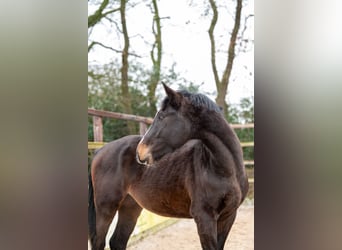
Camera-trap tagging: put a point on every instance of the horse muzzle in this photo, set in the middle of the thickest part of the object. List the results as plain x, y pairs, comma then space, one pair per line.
143, 154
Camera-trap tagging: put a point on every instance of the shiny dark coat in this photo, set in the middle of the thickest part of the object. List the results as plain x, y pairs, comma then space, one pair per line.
189, 164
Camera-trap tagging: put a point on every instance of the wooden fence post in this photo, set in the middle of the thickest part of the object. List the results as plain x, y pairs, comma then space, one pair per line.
97, 129
142, 128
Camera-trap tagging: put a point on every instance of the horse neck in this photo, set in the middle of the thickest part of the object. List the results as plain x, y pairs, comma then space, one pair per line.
219, 138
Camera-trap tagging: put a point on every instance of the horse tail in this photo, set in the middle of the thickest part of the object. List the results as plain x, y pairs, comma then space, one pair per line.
91, 211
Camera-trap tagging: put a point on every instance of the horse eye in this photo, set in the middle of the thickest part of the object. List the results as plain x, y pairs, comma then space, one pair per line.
161, 117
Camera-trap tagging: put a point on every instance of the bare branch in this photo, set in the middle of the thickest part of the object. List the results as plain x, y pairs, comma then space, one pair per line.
245, 26
98, 15
115, 23
135, 55
93, 43
212, 42
110, 12
244, 42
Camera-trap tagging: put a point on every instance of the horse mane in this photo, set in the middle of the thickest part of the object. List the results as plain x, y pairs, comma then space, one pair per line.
200, 100
216, 123
197, 100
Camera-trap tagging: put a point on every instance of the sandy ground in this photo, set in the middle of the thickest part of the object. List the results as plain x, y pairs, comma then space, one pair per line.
183, 235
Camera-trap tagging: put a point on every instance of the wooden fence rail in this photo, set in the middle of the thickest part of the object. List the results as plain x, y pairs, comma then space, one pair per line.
143, 123
247, 125
102, 113
97, 121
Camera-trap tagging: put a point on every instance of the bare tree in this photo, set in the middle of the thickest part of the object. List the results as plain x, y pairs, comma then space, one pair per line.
223, 82
104, 11
126, 96
100, 13
156, 57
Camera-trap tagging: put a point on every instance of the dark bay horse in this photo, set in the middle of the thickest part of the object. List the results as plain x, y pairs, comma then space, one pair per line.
189, 164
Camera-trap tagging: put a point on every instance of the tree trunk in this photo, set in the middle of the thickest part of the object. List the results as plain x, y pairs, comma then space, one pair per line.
212, 43
126, 97
231, 52
222, 84
221, 99
156, 57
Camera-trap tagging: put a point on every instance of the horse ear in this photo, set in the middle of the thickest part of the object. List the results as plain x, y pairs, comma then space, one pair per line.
175, 98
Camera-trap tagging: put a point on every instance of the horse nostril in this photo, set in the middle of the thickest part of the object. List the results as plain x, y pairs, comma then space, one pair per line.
140, 161
138, 158
143, 154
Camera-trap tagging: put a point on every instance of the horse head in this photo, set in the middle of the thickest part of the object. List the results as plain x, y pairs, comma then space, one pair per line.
170, 129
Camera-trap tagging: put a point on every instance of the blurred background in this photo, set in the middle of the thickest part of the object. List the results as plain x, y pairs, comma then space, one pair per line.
44, 97
200, 46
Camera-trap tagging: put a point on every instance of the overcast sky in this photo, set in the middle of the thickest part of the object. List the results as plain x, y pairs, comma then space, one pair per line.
185, 42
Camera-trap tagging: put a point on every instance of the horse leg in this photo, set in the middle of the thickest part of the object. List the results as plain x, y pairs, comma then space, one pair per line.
107, 203
104, 217
129, 212
224, 224
206, 227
